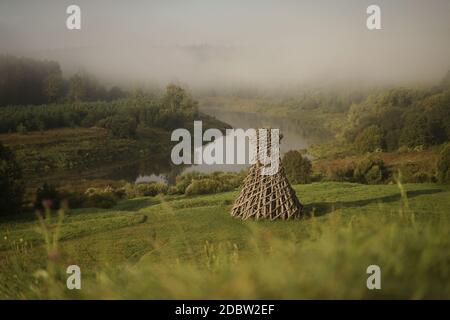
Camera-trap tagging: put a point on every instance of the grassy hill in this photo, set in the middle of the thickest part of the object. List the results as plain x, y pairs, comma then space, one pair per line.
190, 247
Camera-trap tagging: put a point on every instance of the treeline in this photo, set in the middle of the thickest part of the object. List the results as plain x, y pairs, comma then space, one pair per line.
408, 118
174, 109
329, 101
25, 81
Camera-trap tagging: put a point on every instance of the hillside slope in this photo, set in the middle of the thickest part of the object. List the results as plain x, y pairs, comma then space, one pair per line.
189, 247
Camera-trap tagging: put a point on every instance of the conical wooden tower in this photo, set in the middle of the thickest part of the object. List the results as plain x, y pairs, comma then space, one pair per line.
266, 196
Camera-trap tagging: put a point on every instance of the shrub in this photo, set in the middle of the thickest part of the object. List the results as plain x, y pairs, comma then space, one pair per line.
228, 180
161, 187
47, 197
184, 180
119, 193
129, 191
214, 182
173, 190
74, 200
403, 149
100, 198
422, 177
152, 189
317, 176
21, 129
443, 165
147, 189
11, 183
121, 125
297, 167
342, 173
144, 189
412, 172
371, 171
203, 186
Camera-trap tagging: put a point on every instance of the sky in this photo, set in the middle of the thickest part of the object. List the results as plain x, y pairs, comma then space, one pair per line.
228, 42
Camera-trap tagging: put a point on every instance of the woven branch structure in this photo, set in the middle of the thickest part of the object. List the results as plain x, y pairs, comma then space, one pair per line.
266, 196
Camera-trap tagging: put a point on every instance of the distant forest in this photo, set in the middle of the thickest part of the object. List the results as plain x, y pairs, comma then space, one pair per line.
401, 117
370, 119
364, 119
25, 81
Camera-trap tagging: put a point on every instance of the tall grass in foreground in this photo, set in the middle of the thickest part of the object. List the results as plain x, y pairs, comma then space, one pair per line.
328, 262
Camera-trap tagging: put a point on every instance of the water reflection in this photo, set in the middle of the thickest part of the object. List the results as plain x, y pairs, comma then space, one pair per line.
293, 136
161, 169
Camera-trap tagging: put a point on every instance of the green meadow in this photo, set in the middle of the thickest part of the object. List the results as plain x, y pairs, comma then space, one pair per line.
190, 247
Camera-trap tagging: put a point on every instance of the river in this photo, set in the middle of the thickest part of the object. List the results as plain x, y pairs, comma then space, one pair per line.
293, 139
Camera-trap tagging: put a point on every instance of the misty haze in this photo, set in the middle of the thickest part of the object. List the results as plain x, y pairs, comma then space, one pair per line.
212, 43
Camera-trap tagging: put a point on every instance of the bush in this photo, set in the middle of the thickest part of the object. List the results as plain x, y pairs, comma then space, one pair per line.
74, 200
104, 198
297, 167
161, 187
147, 189
203, 186
184, 180
21, 129
342, 173
443, 165
129, 191
152, 189
173, 190
412, 172
228, 181
222, 181
317, 176
11, 183
100, 198
144, 189
403, 149
371, 171
422, 177
47, 197
121, 125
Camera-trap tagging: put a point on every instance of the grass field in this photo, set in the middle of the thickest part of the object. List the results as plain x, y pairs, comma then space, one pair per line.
190, 247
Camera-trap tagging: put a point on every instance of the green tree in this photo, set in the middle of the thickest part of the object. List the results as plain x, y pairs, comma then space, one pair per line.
77, 89
443, 165
297, 168
11, 183
174, 97
23, 81
415, 131
370, 139
177, 99
54, 87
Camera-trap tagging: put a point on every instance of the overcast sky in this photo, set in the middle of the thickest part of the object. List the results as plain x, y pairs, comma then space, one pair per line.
212, 42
